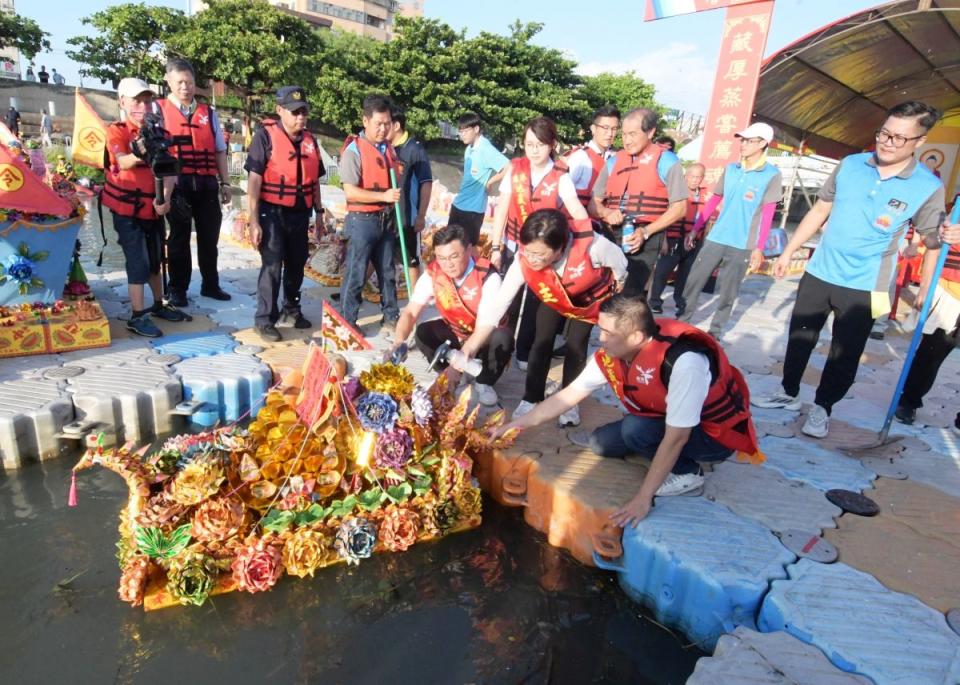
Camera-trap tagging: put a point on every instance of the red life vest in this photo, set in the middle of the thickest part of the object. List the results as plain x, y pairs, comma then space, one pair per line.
194, 142
582, 288
694, 203
128, 192
634, 185
459, 304
525, 199
374, 171
642, 386
596, 162
951, 267
280, 175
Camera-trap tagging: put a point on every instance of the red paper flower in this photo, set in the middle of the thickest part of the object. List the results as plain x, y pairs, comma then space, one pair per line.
257, 567
399, 529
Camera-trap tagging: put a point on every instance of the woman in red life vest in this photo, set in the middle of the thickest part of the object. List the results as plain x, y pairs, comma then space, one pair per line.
570, 270
532, 182
686, 403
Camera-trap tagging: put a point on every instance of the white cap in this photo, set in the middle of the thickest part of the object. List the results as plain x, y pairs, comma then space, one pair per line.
132, 87
757, 130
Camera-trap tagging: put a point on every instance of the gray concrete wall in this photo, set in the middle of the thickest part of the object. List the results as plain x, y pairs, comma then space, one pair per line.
33, 97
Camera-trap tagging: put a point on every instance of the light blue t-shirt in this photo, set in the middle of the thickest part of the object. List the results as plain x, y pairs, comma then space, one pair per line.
744, 195
481, 161
869, 219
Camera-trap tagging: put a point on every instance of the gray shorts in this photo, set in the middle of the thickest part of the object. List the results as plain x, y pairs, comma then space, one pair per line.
140, 240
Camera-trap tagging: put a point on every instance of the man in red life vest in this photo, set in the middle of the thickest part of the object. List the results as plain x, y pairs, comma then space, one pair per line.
462, 288
129, 193
686, 403
283, 189
645, 191
203, 184
366, 161
585, 162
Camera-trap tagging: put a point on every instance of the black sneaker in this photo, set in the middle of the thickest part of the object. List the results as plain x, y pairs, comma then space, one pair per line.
269, 333
905, 415
215, 293
294, 320
177, 298
560, 352
168, 313
143, 325
680, 310
656, 308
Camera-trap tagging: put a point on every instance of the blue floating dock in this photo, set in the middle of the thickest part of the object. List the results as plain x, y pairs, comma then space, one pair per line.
699, 567
862, 626
190, 345
231, 385
805, 461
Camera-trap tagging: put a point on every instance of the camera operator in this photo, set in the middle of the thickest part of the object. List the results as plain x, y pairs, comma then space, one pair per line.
203, 185
129, 193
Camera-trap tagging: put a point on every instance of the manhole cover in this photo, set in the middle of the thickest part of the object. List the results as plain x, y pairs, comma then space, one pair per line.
853, 502
60, 372
884, 467
163, 359
953, 620
248, 349
808, 545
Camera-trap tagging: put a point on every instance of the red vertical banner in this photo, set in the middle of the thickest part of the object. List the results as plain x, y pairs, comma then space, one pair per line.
745, 31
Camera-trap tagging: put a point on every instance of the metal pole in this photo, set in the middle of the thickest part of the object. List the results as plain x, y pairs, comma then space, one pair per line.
403, 243
788, 198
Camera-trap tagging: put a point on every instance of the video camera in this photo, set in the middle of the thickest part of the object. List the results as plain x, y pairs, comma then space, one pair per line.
153, 147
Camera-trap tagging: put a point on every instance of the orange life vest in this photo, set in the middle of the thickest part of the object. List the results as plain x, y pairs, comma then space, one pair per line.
951, 267
128, 192
634, 186
582, 288
374, 171
642, 385
194, 142
694, 203
280, 175
459, 304
596, 162
525, 199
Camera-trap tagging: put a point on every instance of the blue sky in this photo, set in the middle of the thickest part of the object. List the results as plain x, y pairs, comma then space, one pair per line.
678, 55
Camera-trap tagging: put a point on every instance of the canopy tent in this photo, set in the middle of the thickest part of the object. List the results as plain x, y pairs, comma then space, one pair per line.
831, 87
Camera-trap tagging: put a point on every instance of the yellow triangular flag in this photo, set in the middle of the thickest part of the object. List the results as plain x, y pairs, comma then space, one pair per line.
89, 134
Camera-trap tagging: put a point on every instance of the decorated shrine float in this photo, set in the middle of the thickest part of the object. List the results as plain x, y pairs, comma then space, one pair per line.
332, 473
39, 266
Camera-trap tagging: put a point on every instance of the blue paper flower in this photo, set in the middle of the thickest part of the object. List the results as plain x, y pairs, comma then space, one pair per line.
377, 412
422, 406
355, 540
21, 269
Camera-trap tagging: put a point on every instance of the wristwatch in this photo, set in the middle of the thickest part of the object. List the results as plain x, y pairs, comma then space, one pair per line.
495, 248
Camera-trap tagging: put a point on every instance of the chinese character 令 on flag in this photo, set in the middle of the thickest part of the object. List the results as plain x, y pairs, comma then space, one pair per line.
89, 134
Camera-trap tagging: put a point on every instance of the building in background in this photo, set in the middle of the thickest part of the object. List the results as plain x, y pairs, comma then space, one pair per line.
9, 57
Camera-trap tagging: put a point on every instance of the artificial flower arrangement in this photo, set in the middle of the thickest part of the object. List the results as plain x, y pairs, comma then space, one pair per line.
386, 464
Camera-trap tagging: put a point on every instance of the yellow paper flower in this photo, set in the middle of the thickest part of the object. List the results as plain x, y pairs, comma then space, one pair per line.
468, 501
196, 482
391, 379
303, 552
218, 519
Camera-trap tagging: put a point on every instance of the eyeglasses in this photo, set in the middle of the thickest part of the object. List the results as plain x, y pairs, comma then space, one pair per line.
896, 140
535, 146
538, 257
450, 258
754, 141
607, 129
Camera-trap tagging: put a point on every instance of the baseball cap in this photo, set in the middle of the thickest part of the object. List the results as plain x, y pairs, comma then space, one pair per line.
757, 130
292, 97
132, 87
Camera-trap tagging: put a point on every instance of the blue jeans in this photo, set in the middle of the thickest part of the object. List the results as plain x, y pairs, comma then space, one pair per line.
641, 435
370, 238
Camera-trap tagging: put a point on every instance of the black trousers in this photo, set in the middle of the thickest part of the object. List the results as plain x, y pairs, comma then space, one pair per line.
852, 321
933, 350
578, 338
639, 264
283, 254
196, 200
470, 221
679, 258
494, 355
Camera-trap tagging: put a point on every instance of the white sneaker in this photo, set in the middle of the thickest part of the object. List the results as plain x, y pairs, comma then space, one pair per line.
571, 417
780, 400
678, 484
521, 365
817, 424
523, 408
486, 394
551, 388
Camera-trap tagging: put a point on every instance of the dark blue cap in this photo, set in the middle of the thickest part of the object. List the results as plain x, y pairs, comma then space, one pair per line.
292, 97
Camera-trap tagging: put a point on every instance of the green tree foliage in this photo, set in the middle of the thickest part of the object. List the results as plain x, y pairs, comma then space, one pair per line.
129, 42
249, 45
626, 91
23, 34
348, 68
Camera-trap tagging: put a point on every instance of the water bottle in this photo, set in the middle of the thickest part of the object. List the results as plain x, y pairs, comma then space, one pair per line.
458, 360
628, 230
